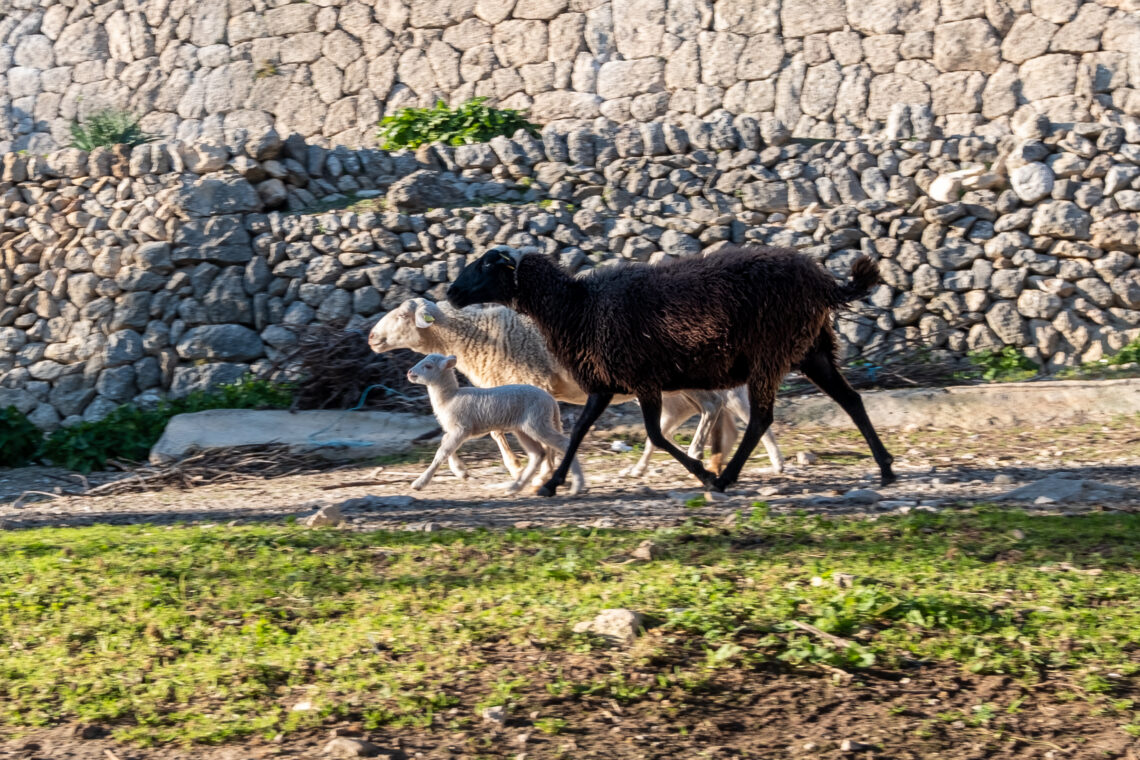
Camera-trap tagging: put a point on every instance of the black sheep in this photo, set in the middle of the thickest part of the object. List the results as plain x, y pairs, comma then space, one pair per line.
743, 316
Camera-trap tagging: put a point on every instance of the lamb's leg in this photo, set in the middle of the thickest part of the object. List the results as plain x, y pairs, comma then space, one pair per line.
509, 460
760, 401
595, 405
447, 447
738, 405
651, 411
555, 441
457, 468
819, 367
674, 411
535, 454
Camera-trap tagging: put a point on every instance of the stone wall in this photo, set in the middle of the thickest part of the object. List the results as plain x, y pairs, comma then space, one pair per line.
129, 274
327, 70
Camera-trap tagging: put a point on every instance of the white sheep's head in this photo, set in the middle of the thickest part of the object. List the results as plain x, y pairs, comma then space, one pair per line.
406, 326
431, 369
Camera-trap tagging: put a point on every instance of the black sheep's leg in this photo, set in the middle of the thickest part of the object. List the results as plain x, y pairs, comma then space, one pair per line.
651, 411
595, 405
819, 367
760, 402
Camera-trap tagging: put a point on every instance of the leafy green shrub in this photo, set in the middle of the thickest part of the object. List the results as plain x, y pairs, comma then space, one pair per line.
129, 432
19, 438
1001, 366
471, 122
108, 127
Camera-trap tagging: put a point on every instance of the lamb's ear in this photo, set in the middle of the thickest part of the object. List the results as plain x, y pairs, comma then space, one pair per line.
426, 314
448, 362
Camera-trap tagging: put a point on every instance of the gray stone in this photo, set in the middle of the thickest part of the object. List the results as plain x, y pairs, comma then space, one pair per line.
1062, 219
970, 45
422, 190
220, 343
618, 624
204, 377
1060, 489
123, 347
1032, 182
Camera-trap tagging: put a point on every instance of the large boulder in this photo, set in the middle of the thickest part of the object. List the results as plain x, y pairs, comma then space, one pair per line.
422, 190
227, 343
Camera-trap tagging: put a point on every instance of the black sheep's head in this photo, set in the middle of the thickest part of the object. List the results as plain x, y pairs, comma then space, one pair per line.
488, 279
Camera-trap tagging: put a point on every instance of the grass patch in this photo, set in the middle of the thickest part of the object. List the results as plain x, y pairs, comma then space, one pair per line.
210, 633
470, 122
106, 128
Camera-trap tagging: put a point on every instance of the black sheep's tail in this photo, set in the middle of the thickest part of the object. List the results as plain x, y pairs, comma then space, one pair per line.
864, 276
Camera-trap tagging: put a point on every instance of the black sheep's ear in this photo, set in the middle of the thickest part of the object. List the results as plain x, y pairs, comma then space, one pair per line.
507, 259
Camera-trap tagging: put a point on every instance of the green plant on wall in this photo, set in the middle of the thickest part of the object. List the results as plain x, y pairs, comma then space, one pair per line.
108, 127
471, 122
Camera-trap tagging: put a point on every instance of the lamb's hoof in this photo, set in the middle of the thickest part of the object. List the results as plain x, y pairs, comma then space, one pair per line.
417, 485
512, 488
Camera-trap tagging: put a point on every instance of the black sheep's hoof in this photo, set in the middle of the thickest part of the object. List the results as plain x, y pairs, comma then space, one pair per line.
887, 478
717, 485
547, 490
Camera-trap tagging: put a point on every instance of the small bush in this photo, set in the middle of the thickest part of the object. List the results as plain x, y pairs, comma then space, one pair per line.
19, 438
1000, 366
471, 122
108, 127
129, 432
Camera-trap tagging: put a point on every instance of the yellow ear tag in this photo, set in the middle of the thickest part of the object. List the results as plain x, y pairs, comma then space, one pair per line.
510, 262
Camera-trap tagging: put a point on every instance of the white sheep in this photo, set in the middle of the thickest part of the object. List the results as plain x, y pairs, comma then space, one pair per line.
530, 413
498, 346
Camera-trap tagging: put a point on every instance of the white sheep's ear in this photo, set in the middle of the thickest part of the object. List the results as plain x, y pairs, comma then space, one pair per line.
426, 314
448, 362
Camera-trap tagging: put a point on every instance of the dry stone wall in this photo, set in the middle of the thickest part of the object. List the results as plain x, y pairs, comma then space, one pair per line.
329, 69
131, 274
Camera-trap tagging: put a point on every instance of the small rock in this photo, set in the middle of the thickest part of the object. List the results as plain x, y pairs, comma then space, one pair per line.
863, 496
424, 527
525, 525
328, 516
889, 504
91, 731
1018, 534
620, 624
646, 551
496, 714
768, 491
804, 458
620, 447
1067, 489
850, 745
303, 706
343, 746
1003, 479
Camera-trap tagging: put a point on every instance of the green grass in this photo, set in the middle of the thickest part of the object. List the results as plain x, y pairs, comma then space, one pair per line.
210, 633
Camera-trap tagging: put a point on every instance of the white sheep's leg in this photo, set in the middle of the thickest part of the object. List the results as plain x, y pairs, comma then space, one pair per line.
775, 456
738, 405
457, 468
711, 404
552, 439
535, 455
447, 447
509, 460
675, 410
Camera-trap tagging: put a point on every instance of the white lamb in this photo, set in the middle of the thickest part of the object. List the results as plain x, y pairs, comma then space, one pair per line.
464, 413
498, 346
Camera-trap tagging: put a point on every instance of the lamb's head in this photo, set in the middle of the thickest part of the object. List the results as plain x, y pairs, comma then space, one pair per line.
488, 279
431, 369
406, 326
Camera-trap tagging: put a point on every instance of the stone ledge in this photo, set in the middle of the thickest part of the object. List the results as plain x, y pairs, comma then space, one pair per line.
329, 434
977, 407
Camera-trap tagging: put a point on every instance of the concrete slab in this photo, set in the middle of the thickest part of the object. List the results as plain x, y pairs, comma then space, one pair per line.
977, 407
330, 434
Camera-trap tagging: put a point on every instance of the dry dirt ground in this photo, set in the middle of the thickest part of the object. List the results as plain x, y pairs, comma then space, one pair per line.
784, 715
936, 468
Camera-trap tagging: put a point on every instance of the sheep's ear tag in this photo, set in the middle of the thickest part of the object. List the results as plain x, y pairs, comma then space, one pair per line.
424, 320
507, 259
